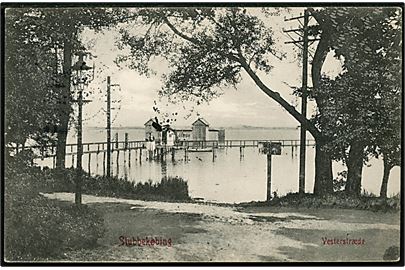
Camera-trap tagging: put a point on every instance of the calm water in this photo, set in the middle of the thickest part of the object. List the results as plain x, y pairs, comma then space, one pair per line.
230, 178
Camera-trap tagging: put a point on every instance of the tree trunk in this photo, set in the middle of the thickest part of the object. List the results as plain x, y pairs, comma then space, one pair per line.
354, 169
384, 185
64, 106
323, 170
323, 162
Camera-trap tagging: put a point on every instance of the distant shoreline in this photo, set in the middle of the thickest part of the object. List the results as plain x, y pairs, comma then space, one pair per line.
236, 127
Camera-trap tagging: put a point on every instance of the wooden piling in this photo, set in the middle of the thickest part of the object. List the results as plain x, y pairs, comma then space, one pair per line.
129, 158
213, 153
98, 151
104, 154
73, 156
89, 164
163, 165
118, 164
125, 171
126, 141
292, 149
89, 161
268, 177
97, 165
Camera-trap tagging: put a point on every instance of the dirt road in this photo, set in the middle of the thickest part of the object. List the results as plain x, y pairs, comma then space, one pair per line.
200, 232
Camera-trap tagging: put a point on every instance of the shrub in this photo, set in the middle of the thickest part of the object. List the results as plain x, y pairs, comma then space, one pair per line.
338, 200
168, 189
38, 228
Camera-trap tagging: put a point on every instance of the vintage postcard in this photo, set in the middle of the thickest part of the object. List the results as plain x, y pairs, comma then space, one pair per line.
202, 133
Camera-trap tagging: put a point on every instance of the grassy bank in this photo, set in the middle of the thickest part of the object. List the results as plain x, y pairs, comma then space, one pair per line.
38, 229
336, 200
168, 189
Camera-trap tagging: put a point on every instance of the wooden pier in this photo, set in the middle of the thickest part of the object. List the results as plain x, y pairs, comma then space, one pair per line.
136, 149
117, 146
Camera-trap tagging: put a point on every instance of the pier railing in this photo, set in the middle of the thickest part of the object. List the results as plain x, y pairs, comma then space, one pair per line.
45, 151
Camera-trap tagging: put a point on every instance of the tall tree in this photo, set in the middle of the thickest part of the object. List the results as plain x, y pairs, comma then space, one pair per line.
52, 30
388, 136
209, 48
29, 83
368, 39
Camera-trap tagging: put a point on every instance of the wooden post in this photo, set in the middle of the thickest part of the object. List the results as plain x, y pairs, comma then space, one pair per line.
150, 153
104, 155
89, 164
268, 177
163, 165
116, 140
126, 141
73, 156
118, 158
129, 158
213, 153
292, 149
125, 171
98, 151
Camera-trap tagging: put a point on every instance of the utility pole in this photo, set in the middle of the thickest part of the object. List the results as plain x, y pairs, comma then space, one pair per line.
108, 126
80, 81
78, 194
303, 33
303, 134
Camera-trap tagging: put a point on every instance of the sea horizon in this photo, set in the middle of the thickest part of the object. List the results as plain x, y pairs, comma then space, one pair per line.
183, 127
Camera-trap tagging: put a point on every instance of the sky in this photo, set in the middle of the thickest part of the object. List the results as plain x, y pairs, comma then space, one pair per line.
134, 99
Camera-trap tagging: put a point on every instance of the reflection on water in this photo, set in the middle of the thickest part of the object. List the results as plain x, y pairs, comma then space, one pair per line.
229, 177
